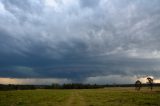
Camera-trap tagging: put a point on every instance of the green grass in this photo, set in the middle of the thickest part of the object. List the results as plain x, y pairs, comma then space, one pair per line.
34, 97
90, 97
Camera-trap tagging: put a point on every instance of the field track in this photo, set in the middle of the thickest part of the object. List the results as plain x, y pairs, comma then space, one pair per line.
76, 99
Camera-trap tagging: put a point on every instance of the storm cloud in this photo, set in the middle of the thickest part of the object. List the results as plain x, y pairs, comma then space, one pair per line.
79, 40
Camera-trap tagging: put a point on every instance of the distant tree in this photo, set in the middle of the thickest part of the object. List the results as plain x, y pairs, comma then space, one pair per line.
138, 85
55, 86
150, 82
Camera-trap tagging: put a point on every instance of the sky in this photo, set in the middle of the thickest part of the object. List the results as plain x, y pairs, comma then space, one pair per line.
79, 41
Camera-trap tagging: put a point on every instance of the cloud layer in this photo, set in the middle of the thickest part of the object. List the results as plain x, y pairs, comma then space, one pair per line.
79, 39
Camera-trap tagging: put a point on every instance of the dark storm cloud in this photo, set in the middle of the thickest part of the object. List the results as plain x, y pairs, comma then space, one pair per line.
78, 39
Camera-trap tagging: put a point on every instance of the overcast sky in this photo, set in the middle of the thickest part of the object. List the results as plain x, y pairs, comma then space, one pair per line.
88, 41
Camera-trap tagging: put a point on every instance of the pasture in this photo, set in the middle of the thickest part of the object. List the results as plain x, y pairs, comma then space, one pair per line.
86, 97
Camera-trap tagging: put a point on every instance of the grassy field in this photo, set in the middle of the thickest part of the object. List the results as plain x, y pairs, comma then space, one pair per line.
90, 97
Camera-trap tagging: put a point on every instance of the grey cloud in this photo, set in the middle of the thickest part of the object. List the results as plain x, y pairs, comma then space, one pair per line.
109, 37
111, 79
27, 6
89, 3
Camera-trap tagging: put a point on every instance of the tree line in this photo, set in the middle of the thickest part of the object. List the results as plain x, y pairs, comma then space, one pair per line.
65, 86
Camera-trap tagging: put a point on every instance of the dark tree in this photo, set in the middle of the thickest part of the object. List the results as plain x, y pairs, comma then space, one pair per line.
150, 82
138, 85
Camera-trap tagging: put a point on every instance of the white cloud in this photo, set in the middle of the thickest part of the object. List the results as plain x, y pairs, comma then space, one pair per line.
2, 9
51, 3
